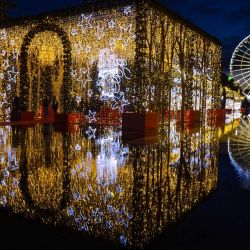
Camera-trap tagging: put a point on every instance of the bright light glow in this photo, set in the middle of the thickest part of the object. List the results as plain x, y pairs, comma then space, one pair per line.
112, 70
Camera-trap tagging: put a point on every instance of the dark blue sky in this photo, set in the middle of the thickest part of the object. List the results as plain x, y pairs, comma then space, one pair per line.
228, 20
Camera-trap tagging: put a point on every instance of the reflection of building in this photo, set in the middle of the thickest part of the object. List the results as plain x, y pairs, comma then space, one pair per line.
138, 53
101, 186
228, 128
109, 158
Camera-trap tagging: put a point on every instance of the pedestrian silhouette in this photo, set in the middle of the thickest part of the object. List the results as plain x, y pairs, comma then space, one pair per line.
45, 106
15, 112
55, 104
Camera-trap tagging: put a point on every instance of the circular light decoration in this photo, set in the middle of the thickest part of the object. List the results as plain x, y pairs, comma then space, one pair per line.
239, 152
240, 66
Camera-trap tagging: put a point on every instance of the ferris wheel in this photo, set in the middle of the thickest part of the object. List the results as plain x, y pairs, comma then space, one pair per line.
240, 66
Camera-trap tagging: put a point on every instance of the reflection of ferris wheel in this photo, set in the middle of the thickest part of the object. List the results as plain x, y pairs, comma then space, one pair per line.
240, 65
239, 153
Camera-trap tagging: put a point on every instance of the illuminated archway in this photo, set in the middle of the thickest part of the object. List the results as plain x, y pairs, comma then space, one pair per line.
67, 64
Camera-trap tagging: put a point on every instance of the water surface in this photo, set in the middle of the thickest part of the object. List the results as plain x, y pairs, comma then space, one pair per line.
97, 181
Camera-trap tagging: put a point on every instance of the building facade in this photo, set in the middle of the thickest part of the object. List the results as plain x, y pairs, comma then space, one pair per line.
135, 56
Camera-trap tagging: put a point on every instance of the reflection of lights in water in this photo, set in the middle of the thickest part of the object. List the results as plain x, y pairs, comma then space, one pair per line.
8, 161
78, 147
91, 132
46, 187
91, 116
112, 155
4, 133
175, 146
103, 181
239, 152
3, 200
231, 117
78, 99
105, 187
176, 97
106, 170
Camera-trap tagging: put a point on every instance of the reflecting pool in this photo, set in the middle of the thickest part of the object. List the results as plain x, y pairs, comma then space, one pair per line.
95, 180
238, 151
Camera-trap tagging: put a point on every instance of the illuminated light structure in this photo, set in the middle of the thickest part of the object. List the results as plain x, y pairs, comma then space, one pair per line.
131, 56
232, 96
232, 105
233, 100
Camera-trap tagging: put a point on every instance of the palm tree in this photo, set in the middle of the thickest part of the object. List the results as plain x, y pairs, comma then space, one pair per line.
5, 5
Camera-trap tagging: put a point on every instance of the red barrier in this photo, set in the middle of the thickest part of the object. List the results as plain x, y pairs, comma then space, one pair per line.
140, 137
27, 116
139, 122
216, 122
189, 115
172, 114
192, 115
217, 114
69, 118
243, 110
108, 116
191, 119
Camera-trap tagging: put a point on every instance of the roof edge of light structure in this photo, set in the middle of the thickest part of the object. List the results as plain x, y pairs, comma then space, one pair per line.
161, 7
97, 5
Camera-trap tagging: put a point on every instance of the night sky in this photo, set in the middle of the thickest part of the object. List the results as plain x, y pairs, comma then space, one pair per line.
228, 20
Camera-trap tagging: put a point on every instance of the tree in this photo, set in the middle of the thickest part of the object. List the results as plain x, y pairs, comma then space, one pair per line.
5, 5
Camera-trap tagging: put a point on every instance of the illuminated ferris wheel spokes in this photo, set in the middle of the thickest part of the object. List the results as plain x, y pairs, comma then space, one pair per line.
240, 66
239, 153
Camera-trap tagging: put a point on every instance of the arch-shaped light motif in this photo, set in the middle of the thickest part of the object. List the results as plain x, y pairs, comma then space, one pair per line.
66, 86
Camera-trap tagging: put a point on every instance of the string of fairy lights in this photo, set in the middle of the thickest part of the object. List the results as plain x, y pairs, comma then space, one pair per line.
102, 183
125, 58
100, 61
188, 62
